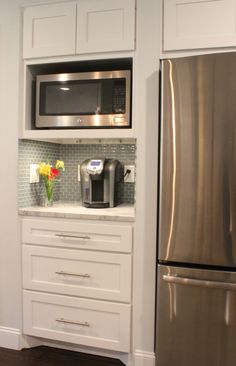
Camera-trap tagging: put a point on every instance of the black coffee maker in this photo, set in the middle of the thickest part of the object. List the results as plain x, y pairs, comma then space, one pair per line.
99, 182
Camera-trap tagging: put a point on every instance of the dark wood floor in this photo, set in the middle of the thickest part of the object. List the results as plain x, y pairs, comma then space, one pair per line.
47, 356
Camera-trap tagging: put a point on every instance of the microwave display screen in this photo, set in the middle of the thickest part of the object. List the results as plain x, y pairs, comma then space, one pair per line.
83, 97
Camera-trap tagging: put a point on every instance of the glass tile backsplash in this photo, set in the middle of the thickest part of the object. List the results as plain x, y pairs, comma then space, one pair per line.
67, 187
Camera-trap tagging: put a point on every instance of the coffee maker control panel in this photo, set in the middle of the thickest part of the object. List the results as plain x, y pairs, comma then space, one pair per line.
95, 166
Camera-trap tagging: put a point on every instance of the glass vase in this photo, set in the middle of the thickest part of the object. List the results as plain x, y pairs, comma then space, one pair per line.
46, 202
48, 192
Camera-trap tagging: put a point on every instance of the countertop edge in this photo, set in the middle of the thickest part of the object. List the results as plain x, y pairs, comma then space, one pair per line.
101, 216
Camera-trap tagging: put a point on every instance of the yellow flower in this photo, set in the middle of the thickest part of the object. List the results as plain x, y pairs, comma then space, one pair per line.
44, 169
60, 164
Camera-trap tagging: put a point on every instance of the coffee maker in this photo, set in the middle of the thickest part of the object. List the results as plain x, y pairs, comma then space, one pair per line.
99, 180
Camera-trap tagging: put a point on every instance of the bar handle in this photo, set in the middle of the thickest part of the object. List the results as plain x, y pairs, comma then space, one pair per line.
64, 236
203, 283
84, 275
66, 321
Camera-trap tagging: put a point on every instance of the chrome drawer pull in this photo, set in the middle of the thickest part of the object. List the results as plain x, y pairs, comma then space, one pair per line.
86, 237
85, 275
62, 320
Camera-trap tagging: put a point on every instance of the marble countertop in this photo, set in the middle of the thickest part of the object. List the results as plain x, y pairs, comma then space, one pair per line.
123, 212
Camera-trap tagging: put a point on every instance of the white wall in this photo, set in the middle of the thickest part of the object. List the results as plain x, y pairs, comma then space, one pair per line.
9, 249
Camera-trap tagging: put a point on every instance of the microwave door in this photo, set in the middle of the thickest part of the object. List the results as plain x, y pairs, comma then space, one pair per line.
71, 98
101, 101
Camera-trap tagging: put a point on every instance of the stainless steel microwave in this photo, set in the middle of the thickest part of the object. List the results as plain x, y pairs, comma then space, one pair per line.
87, 99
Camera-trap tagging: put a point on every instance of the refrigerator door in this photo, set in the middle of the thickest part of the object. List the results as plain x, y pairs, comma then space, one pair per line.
196, 317
198, 160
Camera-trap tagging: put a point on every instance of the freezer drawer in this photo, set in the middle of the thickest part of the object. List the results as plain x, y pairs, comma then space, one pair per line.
196, 317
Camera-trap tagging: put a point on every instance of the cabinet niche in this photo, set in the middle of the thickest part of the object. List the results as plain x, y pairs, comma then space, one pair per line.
32, 70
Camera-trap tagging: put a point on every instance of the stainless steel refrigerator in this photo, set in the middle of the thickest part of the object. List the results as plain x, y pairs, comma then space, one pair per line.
196, 287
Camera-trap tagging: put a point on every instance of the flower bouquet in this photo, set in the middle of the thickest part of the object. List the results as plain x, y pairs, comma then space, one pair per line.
49, 173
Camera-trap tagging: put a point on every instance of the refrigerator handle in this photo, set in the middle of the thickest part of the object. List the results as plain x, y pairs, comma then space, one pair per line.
203, 283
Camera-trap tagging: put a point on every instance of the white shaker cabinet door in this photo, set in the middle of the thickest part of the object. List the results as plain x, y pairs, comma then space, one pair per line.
196, 24
105, 25
49, 30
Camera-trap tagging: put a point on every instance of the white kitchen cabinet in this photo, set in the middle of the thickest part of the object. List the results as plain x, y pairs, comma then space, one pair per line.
77, 277
198, 24
78, 235
77, 320
84, 273
49, 30
105, 25
85, 26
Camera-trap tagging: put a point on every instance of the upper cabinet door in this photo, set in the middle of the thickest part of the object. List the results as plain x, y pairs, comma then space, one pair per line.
195, 24
105, 25
49, 30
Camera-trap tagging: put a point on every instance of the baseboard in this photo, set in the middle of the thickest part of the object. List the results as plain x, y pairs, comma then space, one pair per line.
13, 339
144, 358
10, 338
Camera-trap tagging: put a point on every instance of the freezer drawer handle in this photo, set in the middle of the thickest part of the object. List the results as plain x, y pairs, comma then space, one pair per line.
205, 283
62, 320
85, 275
64, 236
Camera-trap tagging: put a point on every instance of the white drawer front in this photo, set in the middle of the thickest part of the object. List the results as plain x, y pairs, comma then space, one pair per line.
77, 272
80, 321
100, 236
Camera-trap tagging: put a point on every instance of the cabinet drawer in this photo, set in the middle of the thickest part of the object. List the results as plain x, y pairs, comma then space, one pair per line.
107, 237
77, 272
80, 321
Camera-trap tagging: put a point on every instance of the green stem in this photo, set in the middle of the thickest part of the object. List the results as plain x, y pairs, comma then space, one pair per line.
49, 186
